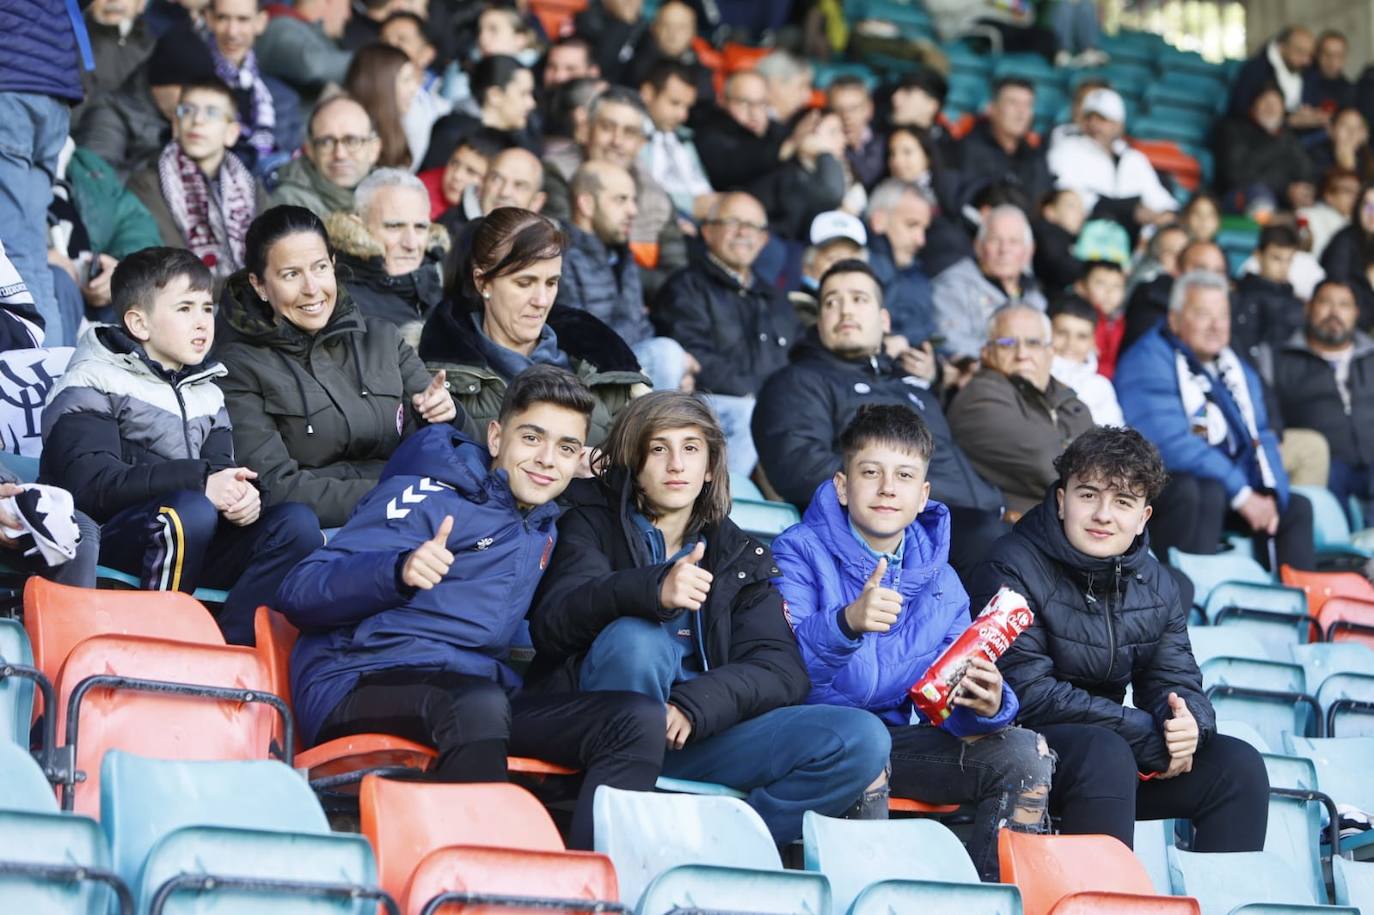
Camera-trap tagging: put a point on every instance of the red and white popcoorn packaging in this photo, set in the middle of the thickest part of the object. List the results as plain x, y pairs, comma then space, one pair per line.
1004, 618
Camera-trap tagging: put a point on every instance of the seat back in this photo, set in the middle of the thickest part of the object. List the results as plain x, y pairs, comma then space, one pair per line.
855, 853
1324, 659
1210, 642
715, 888
646, 834
162, 724
1294, 834
1296, 772
764, 520
1243, 730
24, 786
407, 820
1348, 610
547, 875
1342, 765
888, 897
1330, 527
1153, 839
1322, 586
1048, 868
1275, 614
1094, 903
143, 801
1222, 881
16, 693
275, 637
1354, 883
1206, 572
53, 839
1348, 702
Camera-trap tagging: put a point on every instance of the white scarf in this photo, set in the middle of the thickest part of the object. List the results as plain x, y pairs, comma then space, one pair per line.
1290, 83
1205, 415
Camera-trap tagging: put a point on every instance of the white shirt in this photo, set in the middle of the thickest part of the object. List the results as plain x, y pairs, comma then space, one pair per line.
676, 167
1080, 164
1093, 389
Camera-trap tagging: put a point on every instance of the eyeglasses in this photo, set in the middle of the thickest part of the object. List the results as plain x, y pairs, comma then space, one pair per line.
737, 225
1014, 342
188, 112
749, 104
351, 143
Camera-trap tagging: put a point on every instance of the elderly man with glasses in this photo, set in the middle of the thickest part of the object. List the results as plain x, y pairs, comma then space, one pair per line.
341, 147
1013, 419
737, 327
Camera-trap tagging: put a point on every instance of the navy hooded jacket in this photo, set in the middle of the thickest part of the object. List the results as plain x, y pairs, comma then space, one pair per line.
356, 617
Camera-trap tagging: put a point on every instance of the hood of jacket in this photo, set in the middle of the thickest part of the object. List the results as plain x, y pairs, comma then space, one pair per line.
110, 345
349, 235
1044, 533
361, 260
243, 317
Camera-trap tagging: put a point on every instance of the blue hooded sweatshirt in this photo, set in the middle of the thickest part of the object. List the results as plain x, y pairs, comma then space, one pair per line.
825, 567
356, 617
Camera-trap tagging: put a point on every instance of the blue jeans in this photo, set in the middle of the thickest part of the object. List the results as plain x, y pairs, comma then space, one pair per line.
788, 760
736, 415
1075, 25
663, 359
32, 130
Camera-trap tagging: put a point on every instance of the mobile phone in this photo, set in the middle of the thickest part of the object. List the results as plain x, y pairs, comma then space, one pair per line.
96, 268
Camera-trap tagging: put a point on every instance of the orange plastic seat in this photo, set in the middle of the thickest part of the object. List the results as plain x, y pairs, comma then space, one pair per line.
645, 253
571, 875
406, 820
161, 724
1322, 586
1052, 870
1357, 615
909, 805
556, 16
59, 617
1166, 156
736, 57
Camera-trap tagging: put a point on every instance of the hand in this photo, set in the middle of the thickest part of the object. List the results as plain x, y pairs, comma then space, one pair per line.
1261, 513
686, 586
876, 608
97, 291
981, 689
679, 727
248, 508
690, 369
1177, 767
1180, 731
1307, 117
434, 402
429, 562
228, 487
7, 519
956, 376
920, 361
57, 258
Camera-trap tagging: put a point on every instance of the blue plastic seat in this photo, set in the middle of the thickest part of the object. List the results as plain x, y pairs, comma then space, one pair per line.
713, 888
1268, 695
647, 835
16, 693
1171, 94
1206, 572
1341, 674
1342, 765
1245, 731
236, 821
888, 897
764, 520
1295, 834
855, 854
1274, 614
826, 73
1354, 883
741, 487
21, 465
57, 864
964, 59
1153, 839
1330, 527
1229, 883
24, 786
1218, 642
1166, 126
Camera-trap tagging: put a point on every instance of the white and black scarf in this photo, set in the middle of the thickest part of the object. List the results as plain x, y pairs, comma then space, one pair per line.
1207, 414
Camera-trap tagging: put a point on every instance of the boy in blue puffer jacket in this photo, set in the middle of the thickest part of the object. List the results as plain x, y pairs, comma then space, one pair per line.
874, 603
407, 616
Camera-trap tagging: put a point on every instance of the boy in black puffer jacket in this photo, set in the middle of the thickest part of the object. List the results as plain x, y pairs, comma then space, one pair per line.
1109, 616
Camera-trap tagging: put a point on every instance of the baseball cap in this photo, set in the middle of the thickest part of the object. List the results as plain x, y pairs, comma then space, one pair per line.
1106, 103
836, 224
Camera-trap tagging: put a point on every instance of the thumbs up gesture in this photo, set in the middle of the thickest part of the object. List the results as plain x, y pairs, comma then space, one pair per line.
876, 608
1180, 731
434, 402
686, 586
429, 562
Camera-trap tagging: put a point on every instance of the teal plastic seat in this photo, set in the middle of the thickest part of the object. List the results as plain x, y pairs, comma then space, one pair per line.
1354, 883
1167, 126
1230, 883
1153, 839
254, 819
1242, 730
1211, 642
647, 834
21, 465
1330, 527
764, 520
16, 693
1274, 614
826, 73
23, 786
1294, 834
1206, 572
892, 897
1342, 766
741, 487
857, 853
712, 888
81, 882
688, 786
1340, 674
1294, 772
1269, 696
204, 595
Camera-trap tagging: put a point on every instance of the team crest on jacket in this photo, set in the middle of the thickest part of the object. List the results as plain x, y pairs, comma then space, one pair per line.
548, 551
485, 542
400, 419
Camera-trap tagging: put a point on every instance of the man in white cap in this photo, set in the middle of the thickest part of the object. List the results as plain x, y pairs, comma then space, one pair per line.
835, 236
1115, 180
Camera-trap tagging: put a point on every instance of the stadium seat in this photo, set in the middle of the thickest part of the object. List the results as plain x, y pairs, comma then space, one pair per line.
1206, 572
556, 16
1167, 157
57, 864
826, 73
193, 828
1153, 839
646, 835
741, 487
1270, 696
1243, 731
1342, 765
17, 678
1295, 825
764, 520
1229, 883
519, 877
204, 702
1330, 527
1051, 870
854, 854
1322, 586
888, 897
24, 786
126, 581
1167, 125
717, 888
1344, 619
1354, 883
1341, 676
1274, 614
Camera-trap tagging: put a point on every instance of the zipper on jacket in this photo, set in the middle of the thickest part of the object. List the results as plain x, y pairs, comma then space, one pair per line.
1111, 632
185, 420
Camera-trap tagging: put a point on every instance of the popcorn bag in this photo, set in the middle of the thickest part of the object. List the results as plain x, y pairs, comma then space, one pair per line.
1004, 618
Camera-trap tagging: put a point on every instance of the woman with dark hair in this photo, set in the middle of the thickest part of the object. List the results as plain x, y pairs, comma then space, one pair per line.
503, 90
500, 319
653, 589
1349, 256
385, 82
319, 396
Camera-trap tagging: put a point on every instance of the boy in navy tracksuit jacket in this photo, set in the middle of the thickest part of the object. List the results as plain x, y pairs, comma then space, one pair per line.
407, 616
874, 603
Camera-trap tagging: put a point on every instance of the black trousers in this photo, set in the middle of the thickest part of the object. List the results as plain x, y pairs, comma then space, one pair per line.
1096, 790
614, 738
1192, 512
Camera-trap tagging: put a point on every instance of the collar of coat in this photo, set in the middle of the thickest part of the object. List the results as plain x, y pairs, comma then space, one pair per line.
243, 316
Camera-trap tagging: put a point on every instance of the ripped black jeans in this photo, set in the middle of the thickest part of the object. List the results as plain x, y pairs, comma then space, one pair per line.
1006, 774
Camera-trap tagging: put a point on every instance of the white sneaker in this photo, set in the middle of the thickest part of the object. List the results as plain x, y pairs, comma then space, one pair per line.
1092, 58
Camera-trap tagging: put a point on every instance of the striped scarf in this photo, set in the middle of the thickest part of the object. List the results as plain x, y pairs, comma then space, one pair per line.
259, 122
213, 217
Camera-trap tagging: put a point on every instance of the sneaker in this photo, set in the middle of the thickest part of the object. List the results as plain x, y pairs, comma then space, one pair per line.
1092, 58
1063, 59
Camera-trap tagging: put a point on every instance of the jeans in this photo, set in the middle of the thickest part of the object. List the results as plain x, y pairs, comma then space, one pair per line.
616, 739
167, 543
663, 359
32, 130
788, 760
69, 312
1006, 774
1075, 25
735, 415
1096, 790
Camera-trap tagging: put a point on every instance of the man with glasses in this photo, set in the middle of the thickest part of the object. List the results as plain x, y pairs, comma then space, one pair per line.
1013, 418
201, 196
341, 147
737, 327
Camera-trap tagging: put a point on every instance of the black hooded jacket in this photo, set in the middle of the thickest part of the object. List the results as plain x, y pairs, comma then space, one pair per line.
601, 571
1100, 625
